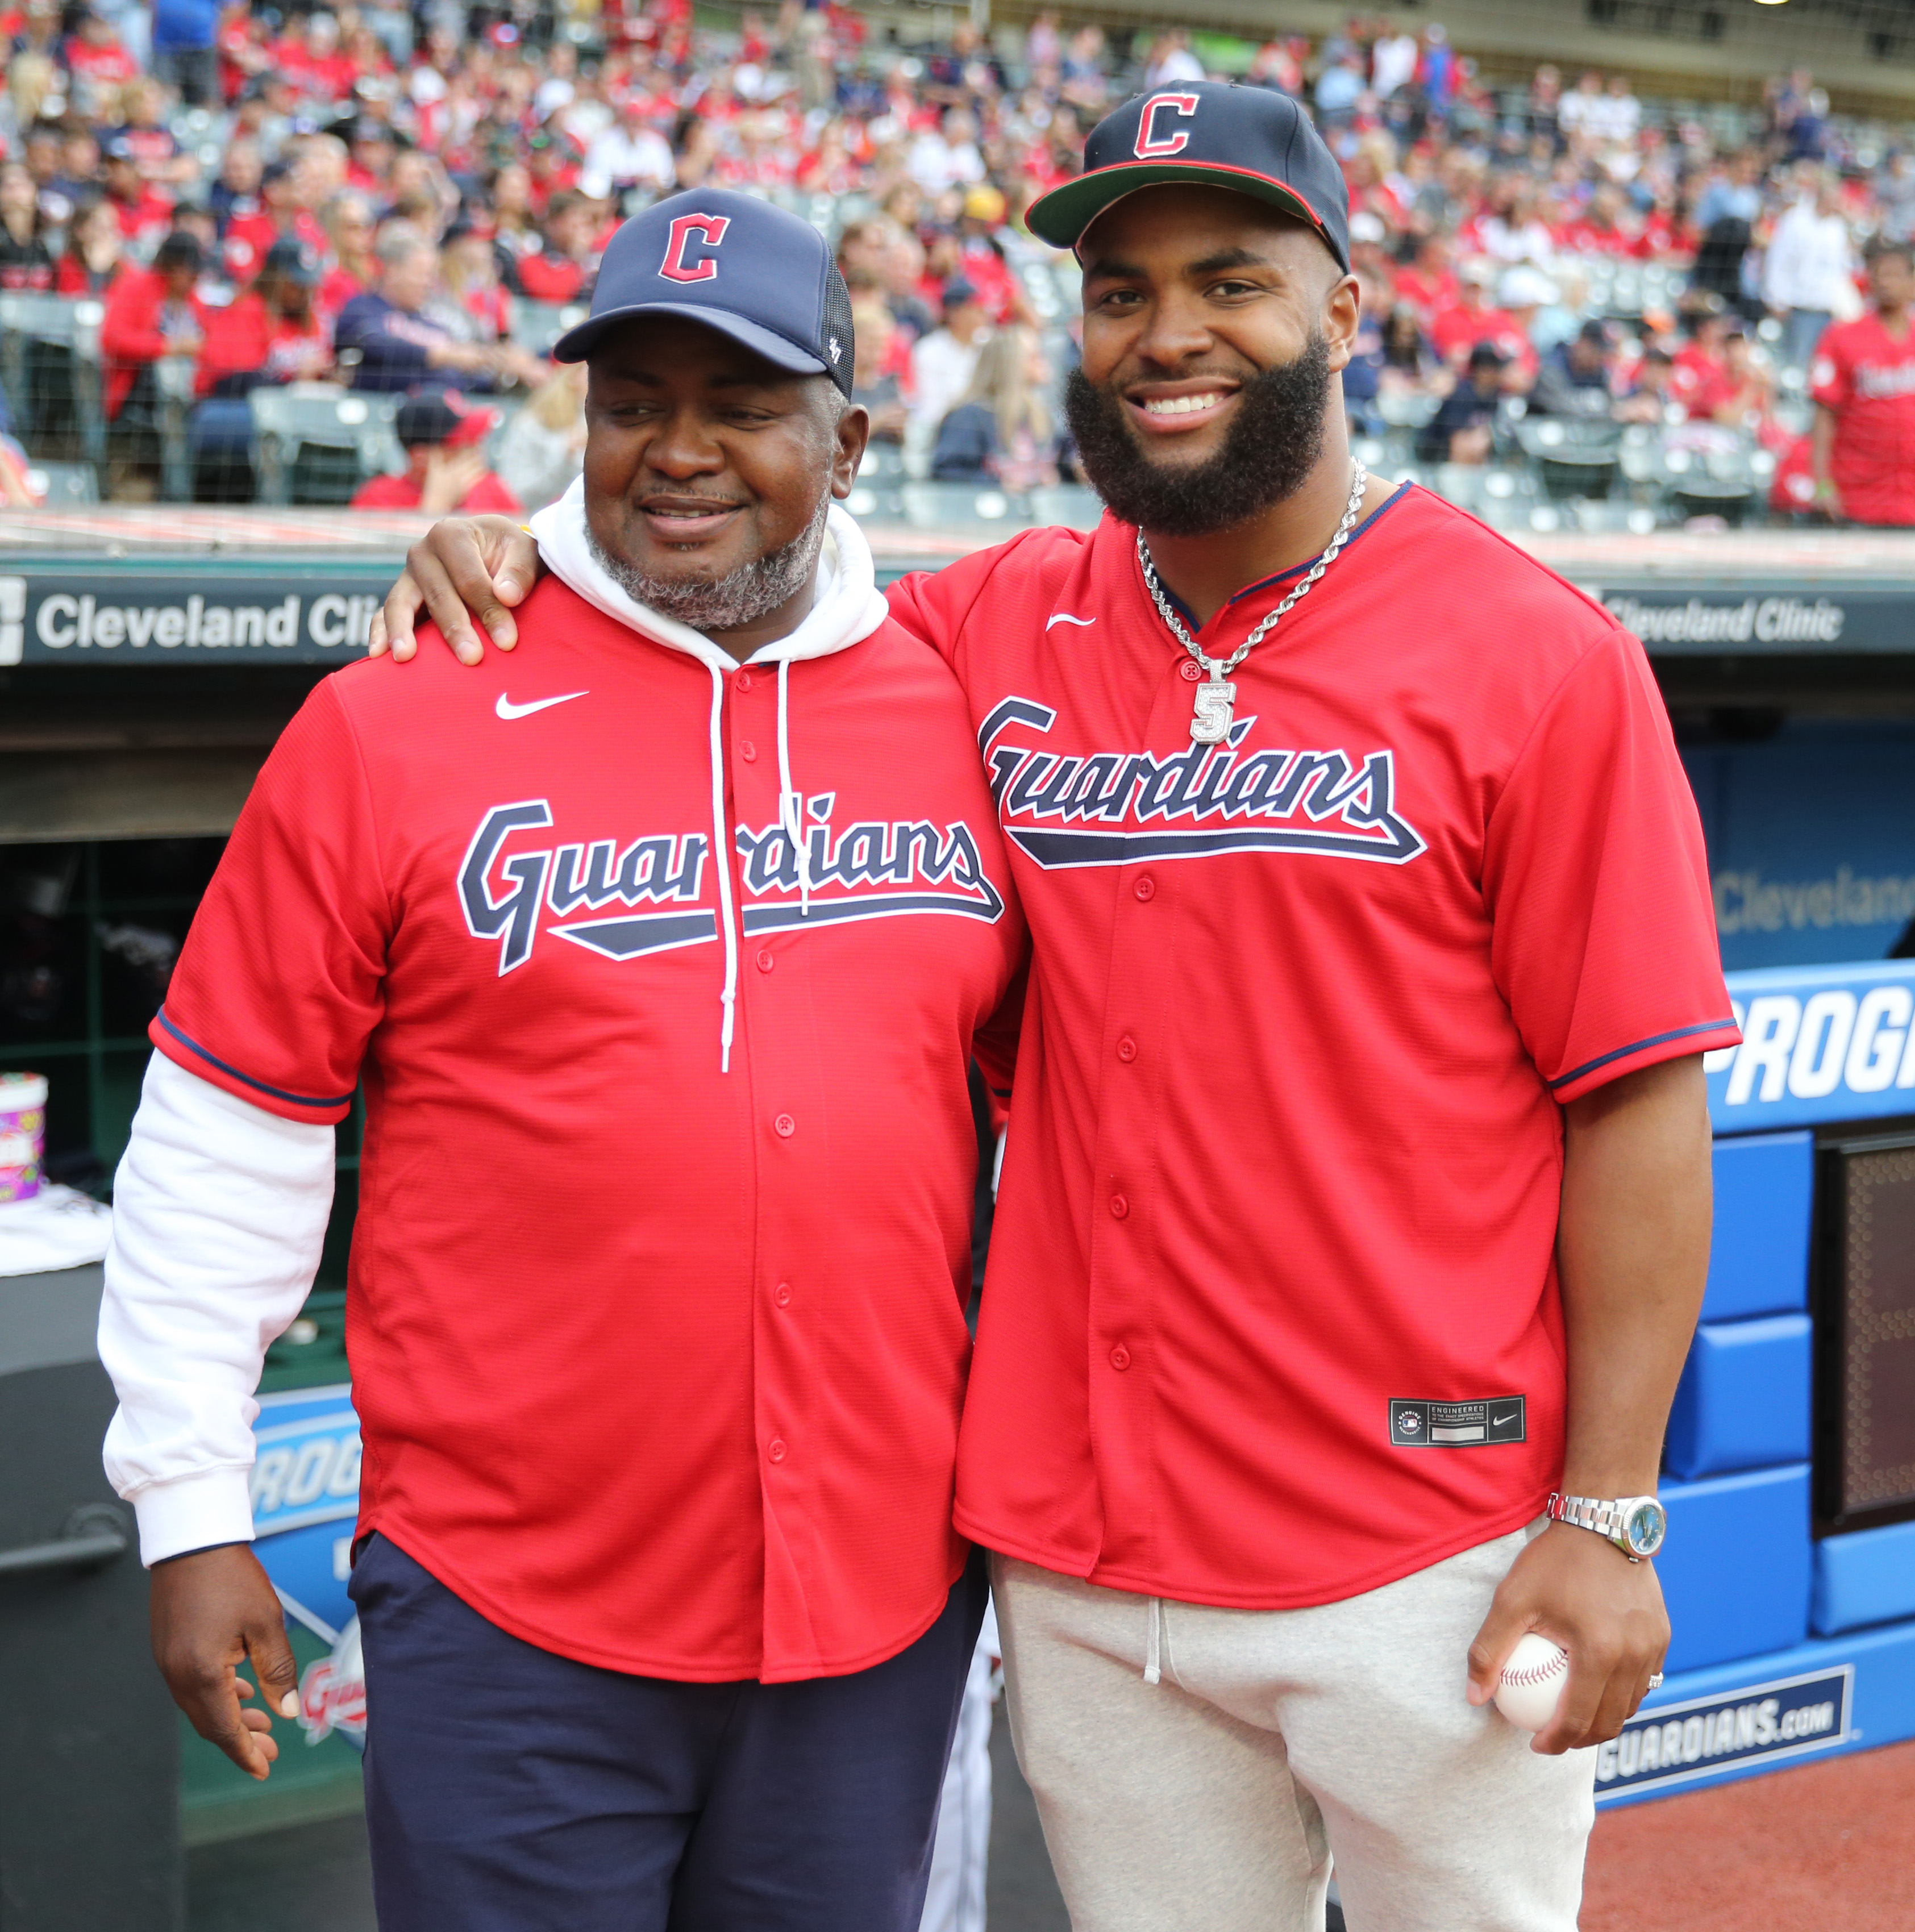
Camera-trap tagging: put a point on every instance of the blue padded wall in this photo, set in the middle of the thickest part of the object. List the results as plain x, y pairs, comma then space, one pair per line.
1758, 1260
1736, 1570
1866, 1577
1743, 1400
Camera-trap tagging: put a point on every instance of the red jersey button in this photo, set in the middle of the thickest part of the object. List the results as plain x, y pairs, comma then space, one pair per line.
1120, 1358
1189, 670
748, 751
766, 962
743, 681
782, 1295
1127, 1049
1145, 888
1119, 1206
775, 1449
784, 1126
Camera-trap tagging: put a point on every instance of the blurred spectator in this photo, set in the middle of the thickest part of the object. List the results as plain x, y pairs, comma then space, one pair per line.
394, 345
1002, 431
631, 153
877, 385
1863, 440
543, 447
1574, 378
26, 263
443, 434
1806, 272
184, 54
273, 334
946, 359
561, 269
1470, 320
1408, 362
347, 220
144, 212
95, 253
152, 313
1464, 428
1650, 394
1738, 393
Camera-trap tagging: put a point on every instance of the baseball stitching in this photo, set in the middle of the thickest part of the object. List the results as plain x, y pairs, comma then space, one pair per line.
1536, 1673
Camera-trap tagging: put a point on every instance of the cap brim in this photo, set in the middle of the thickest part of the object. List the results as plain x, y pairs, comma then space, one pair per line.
577, 344
1061, 217
474, 426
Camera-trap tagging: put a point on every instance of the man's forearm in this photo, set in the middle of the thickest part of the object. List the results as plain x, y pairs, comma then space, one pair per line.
1822, 443
1633, 1250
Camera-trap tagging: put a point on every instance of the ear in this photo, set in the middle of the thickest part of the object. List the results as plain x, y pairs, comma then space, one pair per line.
1341, 308
853, 432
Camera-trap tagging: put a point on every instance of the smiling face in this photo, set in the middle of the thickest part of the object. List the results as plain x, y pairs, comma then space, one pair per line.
708, 470
1213, 325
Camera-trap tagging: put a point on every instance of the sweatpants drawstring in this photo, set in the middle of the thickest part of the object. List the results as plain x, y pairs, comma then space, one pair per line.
1154, 1643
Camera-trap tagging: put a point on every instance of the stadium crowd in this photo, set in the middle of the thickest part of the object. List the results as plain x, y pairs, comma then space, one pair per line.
392, 200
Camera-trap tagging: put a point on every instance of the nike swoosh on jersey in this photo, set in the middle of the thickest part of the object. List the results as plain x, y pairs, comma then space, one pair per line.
505, 708
1065, 617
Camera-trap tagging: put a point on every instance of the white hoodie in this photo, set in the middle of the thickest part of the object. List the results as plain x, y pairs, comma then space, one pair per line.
221, 1207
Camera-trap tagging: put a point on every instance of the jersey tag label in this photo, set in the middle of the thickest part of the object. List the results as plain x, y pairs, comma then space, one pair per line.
1417, 1423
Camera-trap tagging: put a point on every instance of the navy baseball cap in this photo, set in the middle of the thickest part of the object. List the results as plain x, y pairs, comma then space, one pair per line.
1211, 132
737, 264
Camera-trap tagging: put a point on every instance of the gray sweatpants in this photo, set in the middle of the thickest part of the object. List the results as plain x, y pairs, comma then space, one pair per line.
1212, 1800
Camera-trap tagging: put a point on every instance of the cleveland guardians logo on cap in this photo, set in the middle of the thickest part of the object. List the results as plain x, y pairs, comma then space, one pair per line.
1150, 145
709, 230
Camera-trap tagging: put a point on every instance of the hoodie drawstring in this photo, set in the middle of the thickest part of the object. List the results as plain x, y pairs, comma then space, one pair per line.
721, 853
790, 801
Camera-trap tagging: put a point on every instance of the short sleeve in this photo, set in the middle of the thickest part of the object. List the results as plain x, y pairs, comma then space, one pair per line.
1828, 375
281, 979
1603, 932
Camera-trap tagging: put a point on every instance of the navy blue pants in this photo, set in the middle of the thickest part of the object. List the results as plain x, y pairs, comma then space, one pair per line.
509, 1789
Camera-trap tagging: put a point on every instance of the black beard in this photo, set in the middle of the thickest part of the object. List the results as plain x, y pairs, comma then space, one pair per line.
1274, 442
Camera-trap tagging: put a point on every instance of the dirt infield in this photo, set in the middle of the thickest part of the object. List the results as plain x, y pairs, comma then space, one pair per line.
1796, 1851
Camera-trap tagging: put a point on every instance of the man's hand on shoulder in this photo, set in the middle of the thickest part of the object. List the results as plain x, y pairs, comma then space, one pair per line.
212, 1610
462, 568
1581, 1591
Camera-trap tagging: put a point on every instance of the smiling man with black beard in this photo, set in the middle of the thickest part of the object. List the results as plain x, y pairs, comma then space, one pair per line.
1355, 1214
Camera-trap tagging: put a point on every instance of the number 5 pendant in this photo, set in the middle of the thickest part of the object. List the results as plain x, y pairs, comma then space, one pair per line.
1211, 724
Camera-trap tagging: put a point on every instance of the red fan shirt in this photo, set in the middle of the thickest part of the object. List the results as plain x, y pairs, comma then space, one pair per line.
659, 1367
1867, 376
1272, 1315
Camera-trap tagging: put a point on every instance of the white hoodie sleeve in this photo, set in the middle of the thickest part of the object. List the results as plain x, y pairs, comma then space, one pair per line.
219, 1209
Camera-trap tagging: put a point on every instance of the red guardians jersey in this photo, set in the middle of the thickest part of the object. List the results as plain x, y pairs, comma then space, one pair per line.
659, 1367
1867, 376
1272, 1315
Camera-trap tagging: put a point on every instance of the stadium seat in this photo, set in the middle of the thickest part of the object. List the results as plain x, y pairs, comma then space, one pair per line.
61, 484
1070, 504
962, 506
1570, 474
883, 462
318, 448
49, 362
537, 325
1406, 411
1704, 496
1597, 518
876, 503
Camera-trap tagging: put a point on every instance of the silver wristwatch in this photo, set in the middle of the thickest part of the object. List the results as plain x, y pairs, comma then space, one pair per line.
1636, 1525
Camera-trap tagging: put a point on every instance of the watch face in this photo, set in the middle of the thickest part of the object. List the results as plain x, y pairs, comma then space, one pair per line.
1645, 1527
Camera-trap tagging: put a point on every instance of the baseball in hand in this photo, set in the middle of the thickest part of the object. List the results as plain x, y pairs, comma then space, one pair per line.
1532, 1682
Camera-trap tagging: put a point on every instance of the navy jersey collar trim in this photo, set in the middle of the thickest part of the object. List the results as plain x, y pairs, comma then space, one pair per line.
1268, 583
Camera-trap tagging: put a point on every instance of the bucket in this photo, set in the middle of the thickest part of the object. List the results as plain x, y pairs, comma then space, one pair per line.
22, 1134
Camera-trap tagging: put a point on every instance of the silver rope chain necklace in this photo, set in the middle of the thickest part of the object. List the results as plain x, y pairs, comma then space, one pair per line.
1217, 697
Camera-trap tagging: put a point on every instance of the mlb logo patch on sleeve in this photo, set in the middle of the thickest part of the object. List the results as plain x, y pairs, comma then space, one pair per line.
1419, 1423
